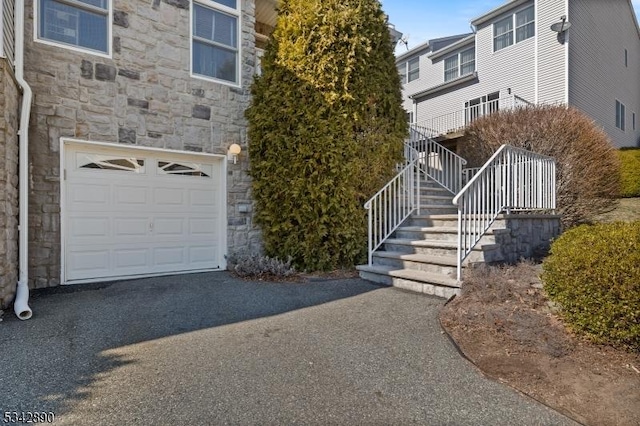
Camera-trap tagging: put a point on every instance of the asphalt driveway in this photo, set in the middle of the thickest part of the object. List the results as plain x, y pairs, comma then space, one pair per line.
211, 349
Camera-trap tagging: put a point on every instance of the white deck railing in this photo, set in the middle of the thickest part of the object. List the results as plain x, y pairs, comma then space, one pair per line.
512, 179
458, 120
392, 205
437, 162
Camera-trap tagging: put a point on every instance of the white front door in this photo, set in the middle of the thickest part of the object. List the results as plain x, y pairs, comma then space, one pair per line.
129, 212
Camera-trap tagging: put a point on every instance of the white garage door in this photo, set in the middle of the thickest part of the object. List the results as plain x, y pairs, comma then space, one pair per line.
131, 212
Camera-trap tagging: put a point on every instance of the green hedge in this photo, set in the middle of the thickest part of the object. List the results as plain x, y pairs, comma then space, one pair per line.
593, 272
630, 172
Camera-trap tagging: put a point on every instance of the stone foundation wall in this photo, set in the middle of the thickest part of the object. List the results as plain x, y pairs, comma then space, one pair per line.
9, 122
524, 236
143, 95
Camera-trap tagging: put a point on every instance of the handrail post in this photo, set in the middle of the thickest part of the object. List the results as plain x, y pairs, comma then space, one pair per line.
418, 195
369, 249
459, 260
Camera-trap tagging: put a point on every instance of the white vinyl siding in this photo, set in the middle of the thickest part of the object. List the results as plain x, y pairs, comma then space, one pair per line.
7, 24
215, 50
620, 115
511, 71
552, 55
522, 21
413, 72
82, 24
594, 86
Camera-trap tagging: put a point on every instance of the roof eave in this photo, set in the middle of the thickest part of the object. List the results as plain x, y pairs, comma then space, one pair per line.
497, 11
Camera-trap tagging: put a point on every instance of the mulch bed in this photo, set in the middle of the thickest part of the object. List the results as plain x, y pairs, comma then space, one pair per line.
506, 326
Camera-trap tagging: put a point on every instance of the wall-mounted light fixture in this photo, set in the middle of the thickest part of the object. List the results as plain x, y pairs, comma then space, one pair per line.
561, 28
233, 152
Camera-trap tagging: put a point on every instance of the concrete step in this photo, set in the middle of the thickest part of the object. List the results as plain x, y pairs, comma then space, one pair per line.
438, 209
437, 200
421, 282
434, 191
437, 233
444, 265
480, 253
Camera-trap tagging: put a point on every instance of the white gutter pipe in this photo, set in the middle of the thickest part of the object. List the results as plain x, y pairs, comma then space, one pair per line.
21, 302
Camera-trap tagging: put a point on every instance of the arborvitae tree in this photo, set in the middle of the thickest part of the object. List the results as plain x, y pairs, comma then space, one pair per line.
326, 128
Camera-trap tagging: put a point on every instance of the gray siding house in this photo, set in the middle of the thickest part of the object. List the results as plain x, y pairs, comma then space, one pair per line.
137, 111
590, 60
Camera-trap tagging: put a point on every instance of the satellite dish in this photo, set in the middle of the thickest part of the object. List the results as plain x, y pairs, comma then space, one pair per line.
561, 26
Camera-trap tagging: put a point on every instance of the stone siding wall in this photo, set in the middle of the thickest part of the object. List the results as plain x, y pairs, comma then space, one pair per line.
524, 236
9, 107
143, 95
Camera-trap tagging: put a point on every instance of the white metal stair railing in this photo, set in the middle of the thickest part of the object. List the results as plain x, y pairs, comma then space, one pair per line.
457, 120
512, 179
437, 162
393, 204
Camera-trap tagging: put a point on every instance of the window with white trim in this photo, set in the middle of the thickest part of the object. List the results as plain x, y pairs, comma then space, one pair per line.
83, 24
451, 67
402, 72
413, 71
522, 23
460, 64
525, 25
620, 114
215, 49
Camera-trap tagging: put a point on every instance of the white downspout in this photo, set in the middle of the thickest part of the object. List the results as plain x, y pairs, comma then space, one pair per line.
21, 303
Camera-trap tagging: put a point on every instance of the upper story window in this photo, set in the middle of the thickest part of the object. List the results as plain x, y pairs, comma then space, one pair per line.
413, 72
215, 50
460, 64
523, 22
402, 72
620, 113
409, 71
84, 24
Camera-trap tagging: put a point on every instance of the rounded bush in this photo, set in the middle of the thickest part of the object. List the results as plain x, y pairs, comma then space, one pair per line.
593, 272
629, 172
588, 180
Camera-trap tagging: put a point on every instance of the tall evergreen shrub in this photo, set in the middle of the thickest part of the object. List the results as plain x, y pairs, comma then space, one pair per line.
326, 128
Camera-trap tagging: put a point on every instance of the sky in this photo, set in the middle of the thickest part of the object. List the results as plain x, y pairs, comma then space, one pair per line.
422, 20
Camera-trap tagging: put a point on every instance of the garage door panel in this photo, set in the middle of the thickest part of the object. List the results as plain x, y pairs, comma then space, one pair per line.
200, 197
169, 226
89, 260
169, 256
89, 193
140, 221
130, 226
203, 227
126, 259
90, 227
130, 195
167, 196
202, 255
